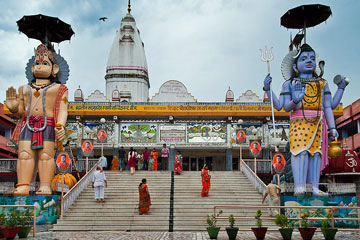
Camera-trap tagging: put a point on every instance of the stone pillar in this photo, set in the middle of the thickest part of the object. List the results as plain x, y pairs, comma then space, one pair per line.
229, 165
116, 152
229, 162
172, 153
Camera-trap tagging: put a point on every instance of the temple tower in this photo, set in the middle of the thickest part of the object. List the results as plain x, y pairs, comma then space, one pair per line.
127, 69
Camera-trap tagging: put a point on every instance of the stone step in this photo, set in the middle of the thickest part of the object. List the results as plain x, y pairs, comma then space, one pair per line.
119, 211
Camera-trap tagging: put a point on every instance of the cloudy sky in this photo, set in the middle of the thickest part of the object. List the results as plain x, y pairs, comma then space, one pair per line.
209, 45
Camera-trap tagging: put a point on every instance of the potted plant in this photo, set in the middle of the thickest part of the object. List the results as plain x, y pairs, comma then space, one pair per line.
2, 223
232, 231
24, 223
259, 231
328, 232
282, 221
212, 230
10, 230
306, 232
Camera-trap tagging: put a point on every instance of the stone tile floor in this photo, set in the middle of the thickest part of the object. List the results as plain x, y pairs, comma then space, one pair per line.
174, 235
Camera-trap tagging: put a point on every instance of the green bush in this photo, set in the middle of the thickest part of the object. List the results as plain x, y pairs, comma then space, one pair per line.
282, 221
258, 218
231, 220
12, 220
25, 218
211, 220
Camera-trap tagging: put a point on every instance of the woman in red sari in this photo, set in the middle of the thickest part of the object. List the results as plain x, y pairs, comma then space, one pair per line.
144, 198
154, 156
177, 166
132, 160
205, 180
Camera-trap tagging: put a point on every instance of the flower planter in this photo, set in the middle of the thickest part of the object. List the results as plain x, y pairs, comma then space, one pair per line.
232, 232
24, 231
307, 233
259, 232
9, 232
213, 232
286, 233
329, 233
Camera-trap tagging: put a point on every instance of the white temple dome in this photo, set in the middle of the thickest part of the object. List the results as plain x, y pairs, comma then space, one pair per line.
127, 66
229, 96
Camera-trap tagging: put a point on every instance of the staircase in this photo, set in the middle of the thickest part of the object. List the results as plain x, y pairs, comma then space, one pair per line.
119, 211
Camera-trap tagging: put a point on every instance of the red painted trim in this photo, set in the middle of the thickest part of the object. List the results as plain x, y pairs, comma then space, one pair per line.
356, 117
127, 68
344, 123
7, 156
7, 124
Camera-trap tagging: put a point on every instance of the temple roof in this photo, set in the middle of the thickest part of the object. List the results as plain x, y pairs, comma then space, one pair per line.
127, 54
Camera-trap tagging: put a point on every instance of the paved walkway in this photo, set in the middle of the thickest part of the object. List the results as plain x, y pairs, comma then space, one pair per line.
175, 235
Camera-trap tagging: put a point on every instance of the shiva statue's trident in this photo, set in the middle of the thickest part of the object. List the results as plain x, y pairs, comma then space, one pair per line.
267, 56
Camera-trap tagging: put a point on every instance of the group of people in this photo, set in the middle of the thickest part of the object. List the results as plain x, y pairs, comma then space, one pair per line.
99, 183
143, 160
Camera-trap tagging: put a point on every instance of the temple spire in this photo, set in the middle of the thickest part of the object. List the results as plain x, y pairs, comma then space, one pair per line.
129, 7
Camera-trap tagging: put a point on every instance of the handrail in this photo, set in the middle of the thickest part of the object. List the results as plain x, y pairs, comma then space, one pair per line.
331, 208
70, 197
34, 214
254, 179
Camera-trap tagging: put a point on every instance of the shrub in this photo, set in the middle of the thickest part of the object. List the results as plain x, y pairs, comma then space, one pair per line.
258, 218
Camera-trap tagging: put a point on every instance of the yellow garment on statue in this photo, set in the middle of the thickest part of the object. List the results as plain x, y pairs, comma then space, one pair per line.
305, 134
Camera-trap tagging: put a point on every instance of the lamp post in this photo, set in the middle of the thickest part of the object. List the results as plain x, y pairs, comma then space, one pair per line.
240, 122
102, 121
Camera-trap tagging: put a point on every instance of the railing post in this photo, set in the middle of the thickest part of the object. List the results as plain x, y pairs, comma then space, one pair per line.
300, 217
34, 224
332, 218
215, 216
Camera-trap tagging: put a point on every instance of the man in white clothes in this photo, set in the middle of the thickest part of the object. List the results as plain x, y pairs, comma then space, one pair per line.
99, 182
274, 192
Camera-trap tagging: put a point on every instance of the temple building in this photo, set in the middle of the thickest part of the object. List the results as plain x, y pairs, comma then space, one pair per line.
204, 132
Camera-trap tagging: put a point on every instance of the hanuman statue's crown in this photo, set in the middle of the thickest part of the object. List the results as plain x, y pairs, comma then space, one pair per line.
42, 50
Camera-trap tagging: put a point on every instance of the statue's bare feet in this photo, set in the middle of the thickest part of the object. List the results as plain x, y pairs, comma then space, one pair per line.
317, 192
22, 190
44, 190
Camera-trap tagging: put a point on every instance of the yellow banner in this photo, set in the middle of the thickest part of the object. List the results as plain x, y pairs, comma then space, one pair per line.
188, 109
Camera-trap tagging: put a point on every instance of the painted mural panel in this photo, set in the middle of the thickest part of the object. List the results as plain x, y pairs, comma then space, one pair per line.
248, 128
172, 133
45, 206
207, 133
91, 130
281, 132
343, 201
138, 133
74, 132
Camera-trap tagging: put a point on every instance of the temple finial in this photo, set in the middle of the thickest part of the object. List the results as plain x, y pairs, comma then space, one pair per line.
129, 7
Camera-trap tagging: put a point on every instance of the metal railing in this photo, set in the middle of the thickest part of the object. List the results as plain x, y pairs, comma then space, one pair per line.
332, 188
27, 206
70, 197
300, 209
254, 179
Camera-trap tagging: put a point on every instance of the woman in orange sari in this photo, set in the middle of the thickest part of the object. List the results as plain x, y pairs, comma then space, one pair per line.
154, 156
144, 198
205, 180
114, 164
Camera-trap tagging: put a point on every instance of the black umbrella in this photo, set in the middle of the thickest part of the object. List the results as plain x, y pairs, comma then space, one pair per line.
305, 16
45, 28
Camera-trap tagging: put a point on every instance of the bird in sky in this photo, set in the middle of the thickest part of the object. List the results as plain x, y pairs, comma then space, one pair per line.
102, 19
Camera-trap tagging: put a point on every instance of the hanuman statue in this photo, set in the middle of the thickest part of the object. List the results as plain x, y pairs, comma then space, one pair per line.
41, 106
